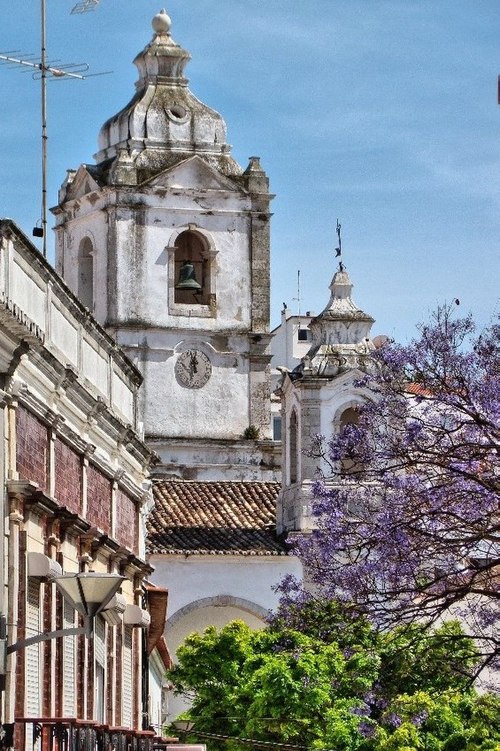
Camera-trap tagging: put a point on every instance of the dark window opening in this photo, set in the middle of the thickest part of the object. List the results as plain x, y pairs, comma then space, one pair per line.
192, 270
276, 428
293, 448
348, 466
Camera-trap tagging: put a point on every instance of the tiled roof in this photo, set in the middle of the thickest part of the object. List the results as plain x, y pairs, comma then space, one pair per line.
417, 389
236, 518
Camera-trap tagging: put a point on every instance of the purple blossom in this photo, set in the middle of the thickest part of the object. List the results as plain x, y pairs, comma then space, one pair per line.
413, 530
420, 718
367, 729
393, 719
361, 710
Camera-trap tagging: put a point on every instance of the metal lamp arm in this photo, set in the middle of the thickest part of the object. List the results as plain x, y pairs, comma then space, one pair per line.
85, 630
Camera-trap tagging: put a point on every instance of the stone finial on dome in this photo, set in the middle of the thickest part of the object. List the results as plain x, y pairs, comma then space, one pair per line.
161, 23
163, 59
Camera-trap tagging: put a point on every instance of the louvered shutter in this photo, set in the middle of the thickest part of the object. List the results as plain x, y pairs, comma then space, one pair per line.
127, 677
69, 663
32, 656
100, 659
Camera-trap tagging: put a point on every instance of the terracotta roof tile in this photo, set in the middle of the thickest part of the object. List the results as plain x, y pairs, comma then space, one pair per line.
214, 517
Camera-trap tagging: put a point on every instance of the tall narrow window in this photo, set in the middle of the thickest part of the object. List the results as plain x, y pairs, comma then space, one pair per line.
293, 447
69, 662
192, 269
127, 677
86, 274
349, 416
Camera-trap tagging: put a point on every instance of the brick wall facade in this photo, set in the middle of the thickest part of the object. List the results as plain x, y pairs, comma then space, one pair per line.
99, 490
126, 521
34, 464
68, 477
31, 448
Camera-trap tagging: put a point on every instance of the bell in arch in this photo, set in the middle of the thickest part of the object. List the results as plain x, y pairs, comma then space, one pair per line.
187, 278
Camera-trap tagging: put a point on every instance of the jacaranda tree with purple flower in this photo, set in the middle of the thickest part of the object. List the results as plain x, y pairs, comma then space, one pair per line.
317, 678
408, 515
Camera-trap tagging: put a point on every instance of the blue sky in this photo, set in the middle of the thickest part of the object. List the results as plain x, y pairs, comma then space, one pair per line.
382, 113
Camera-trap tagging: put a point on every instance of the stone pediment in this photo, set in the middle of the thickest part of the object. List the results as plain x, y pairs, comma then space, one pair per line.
81, 185
193, 174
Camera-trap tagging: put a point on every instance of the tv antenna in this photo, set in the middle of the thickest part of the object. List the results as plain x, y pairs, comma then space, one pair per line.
43, 70
84, 6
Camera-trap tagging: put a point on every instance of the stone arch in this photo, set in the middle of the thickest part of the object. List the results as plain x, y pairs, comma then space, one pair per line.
348, 414
354, 403
192, 253
198, 615
219, 601
202, 233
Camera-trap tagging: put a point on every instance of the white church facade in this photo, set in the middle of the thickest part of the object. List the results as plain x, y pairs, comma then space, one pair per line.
166, 240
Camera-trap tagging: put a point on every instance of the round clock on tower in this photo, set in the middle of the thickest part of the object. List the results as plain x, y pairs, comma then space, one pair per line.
193, 369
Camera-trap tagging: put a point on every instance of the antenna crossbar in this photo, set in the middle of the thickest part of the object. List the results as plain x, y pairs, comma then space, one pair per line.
44, 70
84, 6
40, 67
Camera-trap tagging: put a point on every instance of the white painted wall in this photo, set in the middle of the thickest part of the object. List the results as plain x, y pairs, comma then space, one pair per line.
207, 590
286, 348
197, 578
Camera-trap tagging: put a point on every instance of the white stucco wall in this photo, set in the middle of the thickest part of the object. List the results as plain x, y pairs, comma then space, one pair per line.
198, 578
286, 348
207, 590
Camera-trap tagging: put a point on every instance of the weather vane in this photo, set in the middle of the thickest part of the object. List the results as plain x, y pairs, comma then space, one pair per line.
338, 249
42, 70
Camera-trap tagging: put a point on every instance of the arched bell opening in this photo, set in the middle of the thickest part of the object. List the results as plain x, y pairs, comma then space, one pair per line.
293, 448
350, 416
192, 269
86, 273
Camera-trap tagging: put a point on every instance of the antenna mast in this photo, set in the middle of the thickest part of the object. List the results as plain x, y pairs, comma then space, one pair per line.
41, 70
298, 298
43, 80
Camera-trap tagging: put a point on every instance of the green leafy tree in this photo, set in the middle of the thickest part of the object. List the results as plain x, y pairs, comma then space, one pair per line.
317, 678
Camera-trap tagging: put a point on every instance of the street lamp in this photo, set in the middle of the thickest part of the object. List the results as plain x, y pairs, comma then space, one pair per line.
89, 593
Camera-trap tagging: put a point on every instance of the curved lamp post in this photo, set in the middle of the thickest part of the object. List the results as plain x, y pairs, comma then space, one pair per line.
89, 593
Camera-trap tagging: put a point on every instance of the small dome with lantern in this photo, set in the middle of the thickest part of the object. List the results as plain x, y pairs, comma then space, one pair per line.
164, 122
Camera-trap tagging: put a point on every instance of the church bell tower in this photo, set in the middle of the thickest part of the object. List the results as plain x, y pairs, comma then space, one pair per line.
320, 396
166, 241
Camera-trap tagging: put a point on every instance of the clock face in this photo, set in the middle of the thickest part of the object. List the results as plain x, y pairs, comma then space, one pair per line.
193, 369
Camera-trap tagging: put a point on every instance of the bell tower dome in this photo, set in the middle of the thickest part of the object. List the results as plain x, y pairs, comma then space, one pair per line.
164, 120
166, 238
